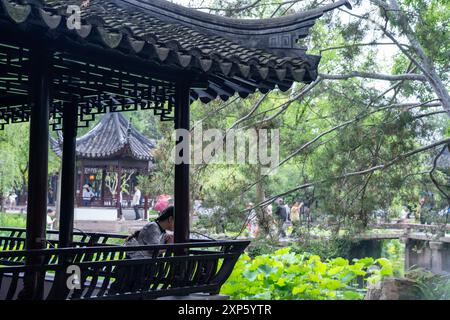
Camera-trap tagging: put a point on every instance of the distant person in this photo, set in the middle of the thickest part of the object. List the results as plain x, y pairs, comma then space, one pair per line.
403, 215
51, 197
269, 210
162, 202
268, 220
12, 200
136, 201
92, 191
87, 195
307, 212
154, 232
295, 216
50, 219
423, 209
281, 216
288, 212
252, 221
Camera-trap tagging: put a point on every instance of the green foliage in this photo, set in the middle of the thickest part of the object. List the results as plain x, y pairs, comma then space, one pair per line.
161, 180
335, 247
13, 220
394, 251
431, 286
286, 275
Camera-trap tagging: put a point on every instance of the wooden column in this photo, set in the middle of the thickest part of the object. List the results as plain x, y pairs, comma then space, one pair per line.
40, 81
118, 190
103, 186
80, 195
181, 185
70, 117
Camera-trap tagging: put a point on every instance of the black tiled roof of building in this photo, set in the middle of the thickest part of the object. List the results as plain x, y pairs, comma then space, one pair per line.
114, 136
237, 55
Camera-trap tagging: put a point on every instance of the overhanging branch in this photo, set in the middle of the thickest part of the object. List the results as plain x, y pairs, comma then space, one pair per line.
376, 76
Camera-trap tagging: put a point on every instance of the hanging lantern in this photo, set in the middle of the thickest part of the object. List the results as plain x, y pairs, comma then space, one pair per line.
92, 177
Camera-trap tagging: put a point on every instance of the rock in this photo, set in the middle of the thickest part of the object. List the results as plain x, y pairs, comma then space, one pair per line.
393, 289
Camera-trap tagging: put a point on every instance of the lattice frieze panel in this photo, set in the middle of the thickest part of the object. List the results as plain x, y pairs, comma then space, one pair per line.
98, 89
15, 114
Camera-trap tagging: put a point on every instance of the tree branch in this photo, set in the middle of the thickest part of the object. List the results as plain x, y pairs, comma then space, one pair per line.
374, 43
436, 184
377, 76
356, 173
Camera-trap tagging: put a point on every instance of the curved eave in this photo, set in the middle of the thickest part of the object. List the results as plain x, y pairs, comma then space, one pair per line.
233, 63
122, 152
224, 25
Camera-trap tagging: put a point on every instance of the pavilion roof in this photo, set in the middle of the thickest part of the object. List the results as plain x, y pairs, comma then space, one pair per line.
114, 136
236, 55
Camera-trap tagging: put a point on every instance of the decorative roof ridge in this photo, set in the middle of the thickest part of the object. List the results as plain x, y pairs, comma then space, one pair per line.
192, 17
128, 130
268, 33
133, 131
118, 128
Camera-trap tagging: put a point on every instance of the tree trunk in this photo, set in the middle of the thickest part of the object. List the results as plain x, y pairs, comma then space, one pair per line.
426, 65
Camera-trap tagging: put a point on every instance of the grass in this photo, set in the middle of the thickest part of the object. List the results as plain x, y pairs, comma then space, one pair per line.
15, 220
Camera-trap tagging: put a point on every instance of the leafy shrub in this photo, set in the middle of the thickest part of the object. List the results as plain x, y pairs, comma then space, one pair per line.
286, 275
335, 247
12, 220
394, 251
431, 286
261, 246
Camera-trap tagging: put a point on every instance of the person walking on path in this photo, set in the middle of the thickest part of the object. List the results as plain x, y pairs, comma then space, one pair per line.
295, 216
136, 201
281, 215
12, 201
252, 221
288, 212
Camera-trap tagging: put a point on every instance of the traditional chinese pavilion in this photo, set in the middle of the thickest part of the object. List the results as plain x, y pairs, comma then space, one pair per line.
127, 55
109, 157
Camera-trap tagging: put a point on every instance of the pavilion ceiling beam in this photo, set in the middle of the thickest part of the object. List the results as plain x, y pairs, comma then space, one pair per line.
9, 100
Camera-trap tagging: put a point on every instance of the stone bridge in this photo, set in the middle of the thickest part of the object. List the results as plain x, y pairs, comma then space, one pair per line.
426, 246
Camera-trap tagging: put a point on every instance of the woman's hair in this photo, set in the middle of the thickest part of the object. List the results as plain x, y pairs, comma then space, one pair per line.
165, 214
168, 212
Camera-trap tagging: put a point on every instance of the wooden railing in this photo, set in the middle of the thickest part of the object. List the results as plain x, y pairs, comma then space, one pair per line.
108, 272
14, 238
412, 226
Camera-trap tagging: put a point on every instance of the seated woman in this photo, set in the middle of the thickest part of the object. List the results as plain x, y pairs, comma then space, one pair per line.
132, 279
152, 233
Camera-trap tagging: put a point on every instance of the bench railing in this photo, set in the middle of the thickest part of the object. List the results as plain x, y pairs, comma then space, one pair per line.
14, 238
108, 272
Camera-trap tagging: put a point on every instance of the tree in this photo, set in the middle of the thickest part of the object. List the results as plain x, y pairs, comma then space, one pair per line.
361, 136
